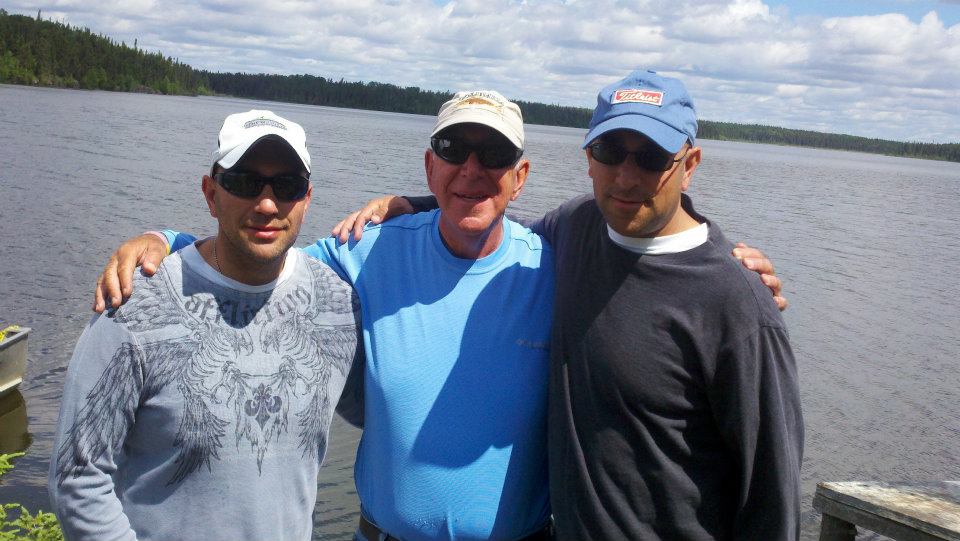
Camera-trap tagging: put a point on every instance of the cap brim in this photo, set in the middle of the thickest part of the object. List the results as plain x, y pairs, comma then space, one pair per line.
479, 116
667, 137
236, 153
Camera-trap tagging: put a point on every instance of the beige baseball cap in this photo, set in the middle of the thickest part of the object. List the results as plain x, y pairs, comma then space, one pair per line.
487, 107
241, 131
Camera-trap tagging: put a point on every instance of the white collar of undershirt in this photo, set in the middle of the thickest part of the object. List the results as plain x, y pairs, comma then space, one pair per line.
192, 258
667, 244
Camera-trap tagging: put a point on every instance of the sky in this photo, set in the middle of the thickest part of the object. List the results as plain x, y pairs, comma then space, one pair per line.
881, 68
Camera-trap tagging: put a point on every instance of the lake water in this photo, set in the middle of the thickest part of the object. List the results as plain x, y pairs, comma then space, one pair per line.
867, 246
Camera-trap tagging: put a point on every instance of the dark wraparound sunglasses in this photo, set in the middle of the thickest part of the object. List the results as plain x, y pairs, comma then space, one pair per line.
248, 185
650, 157
491, 156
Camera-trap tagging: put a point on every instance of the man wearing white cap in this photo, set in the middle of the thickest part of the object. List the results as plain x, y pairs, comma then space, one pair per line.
456, 322
200, 409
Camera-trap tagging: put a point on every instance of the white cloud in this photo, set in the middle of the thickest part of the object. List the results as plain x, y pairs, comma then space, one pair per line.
878, 76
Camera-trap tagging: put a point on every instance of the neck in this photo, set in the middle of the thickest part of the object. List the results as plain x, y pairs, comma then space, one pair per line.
467, 246
219, 254
680, 222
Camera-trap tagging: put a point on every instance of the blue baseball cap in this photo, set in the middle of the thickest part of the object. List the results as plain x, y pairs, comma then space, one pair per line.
656, 106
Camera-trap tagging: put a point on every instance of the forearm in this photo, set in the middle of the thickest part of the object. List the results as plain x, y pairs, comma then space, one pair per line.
88, 509
422, 203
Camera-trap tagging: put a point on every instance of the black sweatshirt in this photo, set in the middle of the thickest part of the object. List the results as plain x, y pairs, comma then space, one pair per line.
674, 407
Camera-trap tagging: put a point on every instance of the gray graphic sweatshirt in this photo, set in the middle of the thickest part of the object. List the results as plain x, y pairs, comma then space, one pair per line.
200, 409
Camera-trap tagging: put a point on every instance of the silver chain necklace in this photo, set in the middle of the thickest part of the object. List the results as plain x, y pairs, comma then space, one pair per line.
215, 260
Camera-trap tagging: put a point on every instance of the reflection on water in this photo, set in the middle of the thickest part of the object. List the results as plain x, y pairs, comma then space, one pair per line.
866, 244
14, 436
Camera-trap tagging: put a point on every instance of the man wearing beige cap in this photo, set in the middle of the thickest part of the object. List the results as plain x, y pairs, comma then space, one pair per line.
454, 441
200, 409
456, 318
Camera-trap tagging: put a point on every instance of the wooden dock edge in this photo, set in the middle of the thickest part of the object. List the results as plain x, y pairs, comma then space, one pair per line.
843, 513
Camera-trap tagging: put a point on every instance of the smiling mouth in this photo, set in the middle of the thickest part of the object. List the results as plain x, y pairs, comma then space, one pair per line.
265, 232
478, 197
623, 201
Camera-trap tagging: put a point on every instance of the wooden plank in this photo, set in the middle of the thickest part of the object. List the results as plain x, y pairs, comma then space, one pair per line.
834, 529
929, 513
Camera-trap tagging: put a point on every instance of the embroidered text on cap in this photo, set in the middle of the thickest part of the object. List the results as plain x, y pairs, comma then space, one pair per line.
636, 95
262, 122
482, 99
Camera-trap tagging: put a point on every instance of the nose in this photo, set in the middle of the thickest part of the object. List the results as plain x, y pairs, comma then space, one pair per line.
635, 181
630, 174
266, 202
472, 166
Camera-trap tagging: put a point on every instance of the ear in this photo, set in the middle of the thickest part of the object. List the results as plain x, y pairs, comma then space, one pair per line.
209, 187
690, 165
428, 158
306, 203
590, 161
521, 170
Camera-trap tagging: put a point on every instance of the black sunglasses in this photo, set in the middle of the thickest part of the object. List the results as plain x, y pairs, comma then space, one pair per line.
491, 156
246, 184
650, 157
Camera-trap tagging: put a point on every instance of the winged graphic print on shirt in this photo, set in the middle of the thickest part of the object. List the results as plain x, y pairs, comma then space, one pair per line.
204, 366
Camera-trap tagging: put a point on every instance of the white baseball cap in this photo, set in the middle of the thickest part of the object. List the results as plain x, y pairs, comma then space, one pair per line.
241, 131
487, 107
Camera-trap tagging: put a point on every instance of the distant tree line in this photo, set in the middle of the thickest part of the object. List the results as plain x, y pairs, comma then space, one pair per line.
371, 96
47, 53
322, 91
755, 133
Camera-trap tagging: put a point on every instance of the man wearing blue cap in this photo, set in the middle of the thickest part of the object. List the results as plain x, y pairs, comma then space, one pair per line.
674, 405
674, 410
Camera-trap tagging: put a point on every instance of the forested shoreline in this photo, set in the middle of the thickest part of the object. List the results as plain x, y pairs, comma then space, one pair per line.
46, 53
38, 52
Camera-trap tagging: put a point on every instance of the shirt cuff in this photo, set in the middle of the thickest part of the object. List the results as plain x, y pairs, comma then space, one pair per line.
161, 236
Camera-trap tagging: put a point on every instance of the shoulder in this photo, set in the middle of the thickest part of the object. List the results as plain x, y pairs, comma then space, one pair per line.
322, 273
528, 248
581, 203
408, 224
737, 289
151, 313
579, 208
161, 286
322, 293
154, 299
576, 214
395, 229
523, 235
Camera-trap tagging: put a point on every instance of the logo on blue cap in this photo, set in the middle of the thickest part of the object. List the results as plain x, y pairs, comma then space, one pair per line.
656, 106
